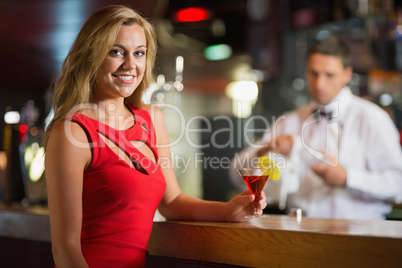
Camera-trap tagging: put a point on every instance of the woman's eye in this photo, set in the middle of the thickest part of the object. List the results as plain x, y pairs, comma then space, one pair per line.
140, 53
116, 52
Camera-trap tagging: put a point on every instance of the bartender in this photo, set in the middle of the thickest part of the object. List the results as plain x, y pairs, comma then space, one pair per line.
339, 155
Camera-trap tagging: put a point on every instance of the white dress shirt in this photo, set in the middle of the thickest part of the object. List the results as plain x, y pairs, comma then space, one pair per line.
359, 135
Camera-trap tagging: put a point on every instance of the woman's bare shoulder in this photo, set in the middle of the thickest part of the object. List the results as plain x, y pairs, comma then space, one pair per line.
155, 113
68, 146
67, 133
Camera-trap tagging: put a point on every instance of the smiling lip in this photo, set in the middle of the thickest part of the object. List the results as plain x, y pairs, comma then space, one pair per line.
127, 79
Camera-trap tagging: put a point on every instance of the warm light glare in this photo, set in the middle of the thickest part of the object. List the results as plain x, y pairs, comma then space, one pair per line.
243, 90
179, 64
12, 117
192, 14
28, 156
242, 109
244, 94
3, 160
38, 165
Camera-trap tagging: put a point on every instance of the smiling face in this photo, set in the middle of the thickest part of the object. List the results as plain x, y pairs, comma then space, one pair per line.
123, 68
326, 76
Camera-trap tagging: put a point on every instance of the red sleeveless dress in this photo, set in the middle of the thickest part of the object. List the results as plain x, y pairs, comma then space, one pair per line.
119, 201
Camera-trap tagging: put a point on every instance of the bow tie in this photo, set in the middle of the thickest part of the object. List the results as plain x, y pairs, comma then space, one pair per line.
320, 113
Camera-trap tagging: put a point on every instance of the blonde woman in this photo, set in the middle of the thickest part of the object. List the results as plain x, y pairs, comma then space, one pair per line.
104, 150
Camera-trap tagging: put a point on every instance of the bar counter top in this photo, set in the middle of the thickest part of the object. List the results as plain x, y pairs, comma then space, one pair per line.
282, 241
269, 241
30, 223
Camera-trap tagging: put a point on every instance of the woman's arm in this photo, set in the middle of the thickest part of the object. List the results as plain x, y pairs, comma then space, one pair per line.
65, 164
178, 205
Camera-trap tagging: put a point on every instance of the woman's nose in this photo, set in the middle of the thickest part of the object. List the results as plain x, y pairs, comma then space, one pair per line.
129, 63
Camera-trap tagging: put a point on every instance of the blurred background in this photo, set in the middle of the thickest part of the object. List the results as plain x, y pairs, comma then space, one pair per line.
223, 67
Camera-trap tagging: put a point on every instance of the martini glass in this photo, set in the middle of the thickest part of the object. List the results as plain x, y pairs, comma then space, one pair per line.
255, 180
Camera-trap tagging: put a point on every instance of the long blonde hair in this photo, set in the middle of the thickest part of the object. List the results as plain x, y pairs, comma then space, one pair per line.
73, 85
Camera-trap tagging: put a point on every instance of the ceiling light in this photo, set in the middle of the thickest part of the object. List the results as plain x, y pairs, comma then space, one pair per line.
218, 52
192, 14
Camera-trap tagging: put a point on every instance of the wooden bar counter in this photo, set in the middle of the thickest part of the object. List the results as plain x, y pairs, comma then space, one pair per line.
270, 241
282, 241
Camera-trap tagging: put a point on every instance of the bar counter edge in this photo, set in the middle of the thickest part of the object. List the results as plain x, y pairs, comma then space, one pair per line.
270, 241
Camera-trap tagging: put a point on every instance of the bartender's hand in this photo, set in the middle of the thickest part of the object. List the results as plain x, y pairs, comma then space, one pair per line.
242, 205
333, 175
282, 144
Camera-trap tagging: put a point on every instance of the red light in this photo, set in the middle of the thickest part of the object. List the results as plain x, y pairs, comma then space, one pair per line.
23, 128
192, 14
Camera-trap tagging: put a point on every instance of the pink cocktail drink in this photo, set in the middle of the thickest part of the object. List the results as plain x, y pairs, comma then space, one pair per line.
255, 180
255, 184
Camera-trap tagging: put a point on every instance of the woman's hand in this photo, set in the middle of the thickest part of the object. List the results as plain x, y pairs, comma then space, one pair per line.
242, 205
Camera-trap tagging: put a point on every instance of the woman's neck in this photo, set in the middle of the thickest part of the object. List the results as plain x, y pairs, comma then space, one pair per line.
112, 112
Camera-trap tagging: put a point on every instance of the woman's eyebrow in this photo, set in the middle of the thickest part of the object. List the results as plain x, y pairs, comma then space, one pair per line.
122, 46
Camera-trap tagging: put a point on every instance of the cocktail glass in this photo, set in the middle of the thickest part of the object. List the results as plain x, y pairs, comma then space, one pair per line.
255, 180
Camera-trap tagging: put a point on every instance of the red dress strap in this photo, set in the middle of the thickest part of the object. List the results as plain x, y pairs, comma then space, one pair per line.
142, 130
143, 119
